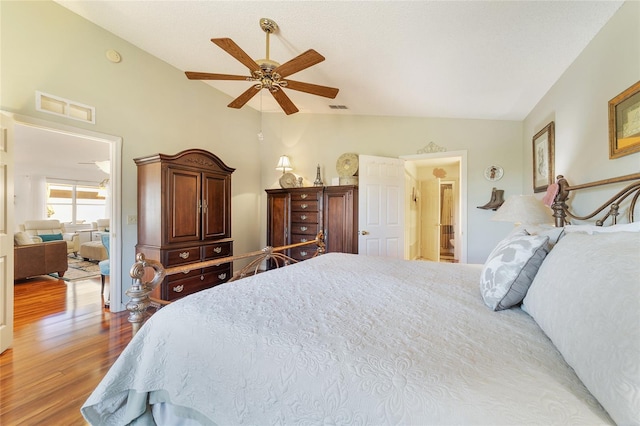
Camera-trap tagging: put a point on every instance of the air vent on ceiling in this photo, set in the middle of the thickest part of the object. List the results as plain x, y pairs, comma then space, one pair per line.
338, 107
64, 107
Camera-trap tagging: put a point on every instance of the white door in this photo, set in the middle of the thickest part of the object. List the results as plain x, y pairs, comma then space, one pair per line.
6, 231
431, 219
381, 206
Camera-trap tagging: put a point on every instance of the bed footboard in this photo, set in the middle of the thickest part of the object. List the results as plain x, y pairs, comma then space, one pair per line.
140, 290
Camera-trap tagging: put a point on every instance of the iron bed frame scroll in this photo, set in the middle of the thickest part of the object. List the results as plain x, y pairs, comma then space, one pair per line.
561, 210
140, 290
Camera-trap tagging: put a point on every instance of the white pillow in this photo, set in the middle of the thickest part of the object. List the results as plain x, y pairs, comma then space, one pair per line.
592, 229
510, 268
586, 298
22, 239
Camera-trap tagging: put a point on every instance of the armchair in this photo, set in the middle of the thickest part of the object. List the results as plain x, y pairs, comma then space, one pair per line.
40, 228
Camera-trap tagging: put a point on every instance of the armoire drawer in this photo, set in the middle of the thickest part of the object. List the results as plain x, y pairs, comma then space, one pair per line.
183, 255
184, 287
221, 249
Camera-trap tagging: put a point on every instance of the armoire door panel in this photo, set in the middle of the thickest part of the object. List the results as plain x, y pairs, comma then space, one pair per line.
215, 221
184, 213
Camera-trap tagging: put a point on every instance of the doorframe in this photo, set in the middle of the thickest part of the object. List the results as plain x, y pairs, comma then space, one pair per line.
462, 193
115, 151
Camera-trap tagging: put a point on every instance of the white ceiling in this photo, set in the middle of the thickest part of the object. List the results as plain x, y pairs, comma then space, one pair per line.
460, 59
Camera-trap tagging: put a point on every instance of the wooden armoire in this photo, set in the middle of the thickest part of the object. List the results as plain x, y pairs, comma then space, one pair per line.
184, 216
296, 215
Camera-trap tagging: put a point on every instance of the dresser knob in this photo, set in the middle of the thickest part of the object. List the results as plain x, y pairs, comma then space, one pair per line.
303, 228
304, 206
303, 196
222, 276
184, 254
217, 249
178, 288
303, 253
303, 217
303, 240
201, 277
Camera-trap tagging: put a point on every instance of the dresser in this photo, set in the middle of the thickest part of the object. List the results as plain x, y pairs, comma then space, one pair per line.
297, 215
184, 216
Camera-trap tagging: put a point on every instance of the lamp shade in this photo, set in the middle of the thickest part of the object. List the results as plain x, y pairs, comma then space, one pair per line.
523, 209
284, 164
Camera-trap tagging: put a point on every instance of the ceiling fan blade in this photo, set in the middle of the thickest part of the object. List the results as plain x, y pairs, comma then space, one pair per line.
234, 50
300, 62
192, 75
285, 103
314, 89
241, 100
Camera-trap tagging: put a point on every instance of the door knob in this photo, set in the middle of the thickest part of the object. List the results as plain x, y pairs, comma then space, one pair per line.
363, 232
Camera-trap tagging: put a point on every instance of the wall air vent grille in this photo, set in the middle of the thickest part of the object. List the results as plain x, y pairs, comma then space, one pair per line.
338, 107
65, 108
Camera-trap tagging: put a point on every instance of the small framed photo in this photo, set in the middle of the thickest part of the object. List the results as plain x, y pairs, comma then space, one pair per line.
543, 158
624, 122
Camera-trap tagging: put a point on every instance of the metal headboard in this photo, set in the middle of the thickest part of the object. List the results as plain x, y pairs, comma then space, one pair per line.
610, 207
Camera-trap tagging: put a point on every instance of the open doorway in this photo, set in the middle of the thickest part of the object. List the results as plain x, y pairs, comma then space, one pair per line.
436, 227
53, 141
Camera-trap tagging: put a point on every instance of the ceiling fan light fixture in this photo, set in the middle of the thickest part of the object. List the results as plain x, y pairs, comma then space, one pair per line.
268, 74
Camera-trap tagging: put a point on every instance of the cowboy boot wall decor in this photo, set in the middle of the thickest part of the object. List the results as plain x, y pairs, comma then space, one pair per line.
491, 201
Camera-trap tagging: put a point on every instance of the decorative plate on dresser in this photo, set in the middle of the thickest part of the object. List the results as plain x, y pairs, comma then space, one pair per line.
288, 180
347, 165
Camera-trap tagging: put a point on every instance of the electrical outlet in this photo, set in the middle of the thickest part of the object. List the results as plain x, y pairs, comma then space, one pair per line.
132, 219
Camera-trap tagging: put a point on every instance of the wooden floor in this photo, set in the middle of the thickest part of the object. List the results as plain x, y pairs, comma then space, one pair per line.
64, 343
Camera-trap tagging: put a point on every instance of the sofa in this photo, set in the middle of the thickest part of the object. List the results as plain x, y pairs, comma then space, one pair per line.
51, 230
39, 258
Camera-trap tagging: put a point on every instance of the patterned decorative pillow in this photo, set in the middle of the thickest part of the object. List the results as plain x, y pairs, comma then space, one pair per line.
510, 269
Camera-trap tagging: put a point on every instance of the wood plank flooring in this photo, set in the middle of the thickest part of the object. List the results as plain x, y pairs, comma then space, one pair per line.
64, 343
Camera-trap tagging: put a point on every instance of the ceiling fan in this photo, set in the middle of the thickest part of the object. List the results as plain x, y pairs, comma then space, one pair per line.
268, 74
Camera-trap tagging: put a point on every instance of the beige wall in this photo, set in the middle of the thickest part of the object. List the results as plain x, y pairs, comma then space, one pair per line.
312, 139
154, 108
578, 104
151, 105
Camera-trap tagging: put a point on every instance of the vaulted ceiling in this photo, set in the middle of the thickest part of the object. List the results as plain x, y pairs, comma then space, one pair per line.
460, 59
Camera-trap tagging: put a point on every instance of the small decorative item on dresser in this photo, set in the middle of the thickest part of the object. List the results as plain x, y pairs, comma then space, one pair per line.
318, 181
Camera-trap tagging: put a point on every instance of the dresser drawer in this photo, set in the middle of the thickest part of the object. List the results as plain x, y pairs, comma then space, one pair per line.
181, 288
182, 275
304, 206
306, 195
181, 256
305, 217
304, 228
222, 249
218, 274
303, 253
303, 238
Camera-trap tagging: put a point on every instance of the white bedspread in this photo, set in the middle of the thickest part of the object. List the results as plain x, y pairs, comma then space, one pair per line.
345, 339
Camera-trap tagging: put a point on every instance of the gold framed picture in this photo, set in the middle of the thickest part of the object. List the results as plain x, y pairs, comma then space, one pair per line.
543, 158
624, 122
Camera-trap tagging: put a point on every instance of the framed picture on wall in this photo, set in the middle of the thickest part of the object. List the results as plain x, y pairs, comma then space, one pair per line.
543, 158
624, 122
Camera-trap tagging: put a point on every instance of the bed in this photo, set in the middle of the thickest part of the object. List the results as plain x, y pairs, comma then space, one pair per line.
547, 331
